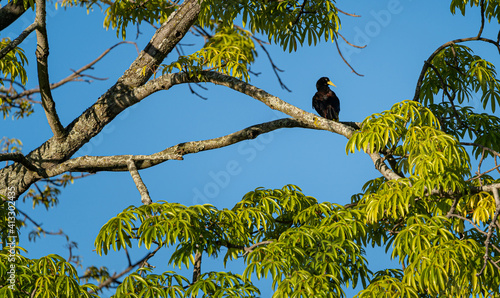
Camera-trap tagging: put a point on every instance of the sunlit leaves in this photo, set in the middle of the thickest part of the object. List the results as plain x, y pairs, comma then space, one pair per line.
13, 72
12, 64
230, 50
222, 284
410, 134
441, 256
49, 276
492, 7
482, 206
435, 261
284, 235
288, 23
143, 283
386, 286
393, 200
461, 74
390, 127
121, 13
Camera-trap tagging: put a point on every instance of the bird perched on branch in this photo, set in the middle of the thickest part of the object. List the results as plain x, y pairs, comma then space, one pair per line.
325, 101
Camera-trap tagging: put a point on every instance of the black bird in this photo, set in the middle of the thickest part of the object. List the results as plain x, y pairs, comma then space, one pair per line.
325, 101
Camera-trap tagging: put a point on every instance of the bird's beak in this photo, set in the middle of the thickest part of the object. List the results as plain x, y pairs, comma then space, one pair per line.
330, 83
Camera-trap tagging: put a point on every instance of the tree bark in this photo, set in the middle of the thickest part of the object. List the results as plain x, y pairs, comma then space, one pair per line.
11, 12
108, 106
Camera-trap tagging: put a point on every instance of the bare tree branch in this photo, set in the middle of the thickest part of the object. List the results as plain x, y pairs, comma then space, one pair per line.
345, 61
163, 42
143, 190
252, 247
482, 20
165, 82
496, 167
20, 158
120, 162
197, 266
76, 74
352, 45
18, 40
348, 14
42, 53
11, 12
108, 106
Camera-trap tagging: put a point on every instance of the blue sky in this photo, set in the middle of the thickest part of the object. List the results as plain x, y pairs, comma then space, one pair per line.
399, 34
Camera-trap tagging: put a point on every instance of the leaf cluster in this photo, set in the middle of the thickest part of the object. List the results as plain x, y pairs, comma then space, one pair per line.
460, 74
288, 23
230, 50
308, 248
49, 276
491, 7
12, 64
409, 136
429, 217
12, 69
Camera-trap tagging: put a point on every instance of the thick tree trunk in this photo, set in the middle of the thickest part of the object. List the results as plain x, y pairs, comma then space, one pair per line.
18, 178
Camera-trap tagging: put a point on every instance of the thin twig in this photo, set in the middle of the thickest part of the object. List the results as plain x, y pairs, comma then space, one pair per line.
469, 221
345, 61
276, 69
77, 73
348, 14
482, 20
18, 40
300, 13
352, 45
128, 269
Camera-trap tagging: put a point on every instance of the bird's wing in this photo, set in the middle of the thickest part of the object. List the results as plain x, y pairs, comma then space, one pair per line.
331, 113
334, 101
315, 101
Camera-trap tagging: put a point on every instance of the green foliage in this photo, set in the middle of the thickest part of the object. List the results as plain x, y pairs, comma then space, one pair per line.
121, 13
434, 220
441, 254
410, 135
383, 286
230, 50
438, 263
308, 248
462, 122
388, 128
222, 284
492, 7
49, 276
288, 23
12, 64
12, 69
461, 74
144, 284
